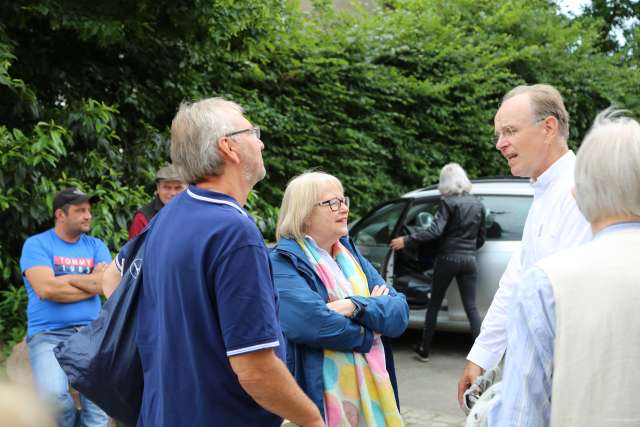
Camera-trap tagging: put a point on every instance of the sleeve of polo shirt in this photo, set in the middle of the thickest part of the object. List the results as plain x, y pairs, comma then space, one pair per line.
246, 301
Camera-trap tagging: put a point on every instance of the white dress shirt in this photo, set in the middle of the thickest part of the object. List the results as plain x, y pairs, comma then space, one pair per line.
553, 223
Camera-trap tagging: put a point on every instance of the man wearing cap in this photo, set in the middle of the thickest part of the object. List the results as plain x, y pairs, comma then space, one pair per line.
168, 184
62, 270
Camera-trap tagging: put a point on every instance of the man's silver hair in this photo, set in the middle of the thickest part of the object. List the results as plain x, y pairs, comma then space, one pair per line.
453, 180
545, 101
607, 170
195, 131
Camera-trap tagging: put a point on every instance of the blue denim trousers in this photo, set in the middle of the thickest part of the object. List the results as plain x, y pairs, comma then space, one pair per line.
51, 381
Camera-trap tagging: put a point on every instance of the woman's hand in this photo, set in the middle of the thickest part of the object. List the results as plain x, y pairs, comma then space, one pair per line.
379, 290
342, 306
397, 243
346, 306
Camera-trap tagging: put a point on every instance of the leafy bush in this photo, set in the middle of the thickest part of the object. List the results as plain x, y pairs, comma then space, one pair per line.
382, 99
13, 307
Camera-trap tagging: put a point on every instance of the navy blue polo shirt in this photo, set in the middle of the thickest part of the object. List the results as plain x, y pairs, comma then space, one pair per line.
207, 294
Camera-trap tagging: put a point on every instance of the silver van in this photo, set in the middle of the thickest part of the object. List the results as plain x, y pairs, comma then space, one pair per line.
507, 202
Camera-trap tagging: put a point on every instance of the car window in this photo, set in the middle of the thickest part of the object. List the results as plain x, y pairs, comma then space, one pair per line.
373, 233
505, 216
421, 215
377, 228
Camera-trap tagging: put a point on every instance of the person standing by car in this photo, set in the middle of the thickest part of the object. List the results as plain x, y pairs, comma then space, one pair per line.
335, 308
573, 343
532, 128
460, 232
168, 184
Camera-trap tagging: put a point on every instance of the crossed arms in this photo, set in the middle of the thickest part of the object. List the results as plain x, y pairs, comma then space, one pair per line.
67, 288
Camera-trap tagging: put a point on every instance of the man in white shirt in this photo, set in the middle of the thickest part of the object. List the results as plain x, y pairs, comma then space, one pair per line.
532, 128
573, 345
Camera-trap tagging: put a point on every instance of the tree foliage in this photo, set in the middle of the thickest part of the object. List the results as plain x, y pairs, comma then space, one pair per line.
614, 20
381, 99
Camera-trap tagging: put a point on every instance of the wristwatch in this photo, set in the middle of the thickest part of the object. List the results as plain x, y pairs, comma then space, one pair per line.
357, 309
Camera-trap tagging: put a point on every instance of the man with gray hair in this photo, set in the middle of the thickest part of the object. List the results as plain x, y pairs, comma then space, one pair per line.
531, 127
573, 341
459, 230
210, 343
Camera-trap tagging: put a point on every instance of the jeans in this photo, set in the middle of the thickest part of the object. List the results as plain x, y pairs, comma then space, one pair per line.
51, 382
464, 269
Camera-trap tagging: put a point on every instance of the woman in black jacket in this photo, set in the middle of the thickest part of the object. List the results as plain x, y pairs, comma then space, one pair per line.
459, 228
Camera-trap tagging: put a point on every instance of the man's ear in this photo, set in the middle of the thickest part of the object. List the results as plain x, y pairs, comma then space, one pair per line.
58, 214
551, 126
227, 151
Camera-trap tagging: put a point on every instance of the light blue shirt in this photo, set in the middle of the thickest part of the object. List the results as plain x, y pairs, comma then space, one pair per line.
48, 250
525, 399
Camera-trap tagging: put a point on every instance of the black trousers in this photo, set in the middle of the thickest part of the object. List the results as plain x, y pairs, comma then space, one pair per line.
465, 270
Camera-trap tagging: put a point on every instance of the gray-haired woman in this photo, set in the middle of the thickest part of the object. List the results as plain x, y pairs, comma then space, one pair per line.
459, 228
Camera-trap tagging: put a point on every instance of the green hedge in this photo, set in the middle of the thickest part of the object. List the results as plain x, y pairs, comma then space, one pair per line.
381, 99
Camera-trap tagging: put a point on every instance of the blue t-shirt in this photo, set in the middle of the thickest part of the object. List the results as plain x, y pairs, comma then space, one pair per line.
207, 294
48, 250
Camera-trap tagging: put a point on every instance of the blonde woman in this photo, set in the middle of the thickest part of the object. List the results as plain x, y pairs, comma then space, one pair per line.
335, 309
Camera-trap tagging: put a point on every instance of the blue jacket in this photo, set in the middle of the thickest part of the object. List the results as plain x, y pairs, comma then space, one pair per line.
309, 326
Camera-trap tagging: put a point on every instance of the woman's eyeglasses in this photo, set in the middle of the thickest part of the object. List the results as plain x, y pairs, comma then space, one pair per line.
335, 203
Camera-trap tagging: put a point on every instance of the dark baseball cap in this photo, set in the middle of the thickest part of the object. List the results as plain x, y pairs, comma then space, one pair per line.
72, 196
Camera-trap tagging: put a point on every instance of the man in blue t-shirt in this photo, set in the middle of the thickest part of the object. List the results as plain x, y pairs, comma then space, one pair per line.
62, 270
208, 334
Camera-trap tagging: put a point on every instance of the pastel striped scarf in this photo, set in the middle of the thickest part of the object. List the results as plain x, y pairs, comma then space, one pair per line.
357, 388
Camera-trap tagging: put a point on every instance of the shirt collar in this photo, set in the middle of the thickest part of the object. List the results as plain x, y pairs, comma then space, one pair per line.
613, 228
213, 197
563, 165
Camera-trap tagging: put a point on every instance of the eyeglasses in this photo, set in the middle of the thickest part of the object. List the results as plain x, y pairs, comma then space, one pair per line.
254, 130
335, 203
510, 131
